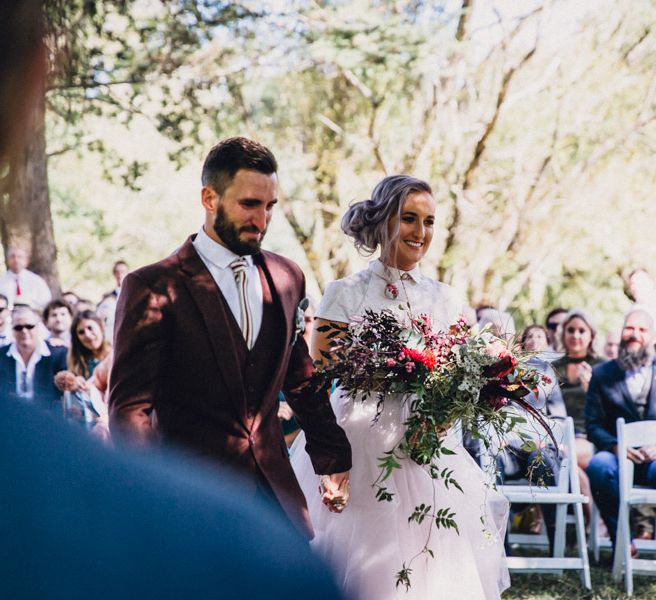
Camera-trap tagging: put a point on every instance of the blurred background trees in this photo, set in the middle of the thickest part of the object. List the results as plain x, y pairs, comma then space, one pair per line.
533, 121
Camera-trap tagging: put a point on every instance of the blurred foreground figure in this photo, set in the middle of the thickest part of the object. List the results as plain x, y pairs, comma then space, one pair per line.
79, 521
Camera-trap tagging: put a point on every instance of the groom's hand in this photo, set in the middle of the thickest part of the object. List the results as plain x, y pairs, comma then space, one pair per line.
334, 491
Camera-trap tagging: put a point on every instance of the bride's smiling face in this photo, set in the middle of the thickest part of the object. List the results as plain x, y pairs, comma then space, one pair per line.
416, 224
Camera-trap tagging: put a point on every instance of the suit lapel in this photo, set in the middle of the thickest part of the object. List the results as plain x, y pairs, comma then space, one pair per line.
203, 289
626, 394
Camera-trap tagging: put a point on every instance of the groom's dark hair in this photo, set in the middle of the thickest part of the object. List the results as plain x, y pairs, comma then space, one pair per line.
227, 157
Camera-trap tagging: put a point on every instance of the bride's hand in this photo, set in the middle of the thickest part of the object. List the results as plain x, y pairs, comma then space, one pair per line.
334, 490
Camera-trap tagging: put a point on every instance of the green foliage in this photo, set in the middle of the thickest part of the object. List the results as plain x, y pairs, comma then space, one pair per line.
345, 92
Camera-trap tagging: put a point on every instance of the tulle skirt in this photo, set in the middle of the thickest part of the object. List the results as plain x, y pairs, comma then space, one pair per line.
370, 541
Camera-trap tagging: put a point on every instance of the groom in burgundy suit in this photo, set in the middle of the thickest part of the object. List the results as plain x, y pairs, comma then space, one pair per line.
207, 338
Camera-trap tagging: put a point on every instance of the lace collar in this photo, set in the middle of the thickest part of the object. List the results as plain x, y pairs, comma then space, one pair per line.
392, 274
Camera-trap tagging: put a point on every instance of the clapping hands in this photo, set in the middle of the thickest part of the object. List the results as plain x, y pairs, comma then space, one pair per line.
67, 381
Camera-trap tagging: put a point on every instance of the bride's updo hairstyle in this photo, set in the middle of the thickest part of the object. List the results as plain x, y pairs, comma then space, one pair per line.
366, 221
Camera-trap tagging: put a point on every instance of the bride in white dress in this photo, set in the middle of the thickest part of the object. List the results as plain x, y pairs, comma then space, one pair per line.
369, 542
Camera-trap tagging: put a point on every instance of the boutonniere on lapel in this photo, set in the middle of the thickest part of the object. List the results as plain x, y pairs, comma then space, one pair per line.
299, 319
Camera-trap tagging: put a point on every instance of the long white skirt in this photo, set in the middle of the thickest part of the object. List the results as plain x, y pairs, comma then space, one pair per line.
370, 541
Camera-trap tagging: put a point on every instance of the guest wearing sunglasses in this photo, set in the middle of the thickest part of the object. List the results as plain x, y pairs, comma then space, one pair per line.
551, 324
29, 364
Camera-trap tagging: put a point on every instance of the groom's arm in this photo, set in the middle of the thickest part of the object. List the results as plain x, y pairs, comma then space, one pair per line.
138, 342
326, 442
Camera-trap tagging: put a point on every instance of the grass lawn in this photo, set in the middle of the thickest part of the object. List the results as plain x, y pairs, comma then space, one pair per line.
546, 587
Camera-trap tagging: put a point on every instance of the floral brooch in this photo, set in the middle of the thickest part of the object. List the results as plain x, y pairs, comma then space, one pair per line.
391, 291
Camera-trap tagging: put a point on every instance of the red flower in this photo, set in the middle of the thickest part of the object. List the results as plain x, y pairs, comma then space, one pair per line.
426, 358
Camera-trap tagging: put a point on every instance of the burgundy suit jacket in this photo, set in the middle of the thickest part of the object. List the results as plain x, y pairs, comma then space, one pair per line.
174, 358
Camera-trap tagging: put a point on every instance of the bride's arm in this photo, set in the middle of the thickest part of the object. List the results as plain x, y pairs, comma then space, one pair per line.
335, 485
319, 340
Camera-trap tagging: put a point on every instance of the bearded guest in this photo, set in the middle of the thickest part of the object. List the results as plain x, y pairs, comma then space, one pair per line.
623, 387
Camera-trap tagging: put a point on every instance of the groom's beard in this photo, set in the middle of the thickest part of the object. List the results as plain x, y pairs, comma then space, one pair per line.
631, 360
229, 234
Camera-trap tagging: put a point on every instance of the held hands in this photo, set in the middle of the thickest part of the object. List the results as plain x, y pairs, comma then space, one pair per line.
67, 381
334, 490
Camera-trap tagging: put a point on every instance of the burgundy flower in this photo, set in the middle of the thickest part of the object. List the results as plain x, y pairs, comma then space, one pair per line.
497, 402
505, 365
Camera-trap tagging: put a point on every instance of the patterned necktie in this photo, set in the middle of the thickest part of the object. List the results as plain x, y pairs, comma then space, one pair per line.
239, 266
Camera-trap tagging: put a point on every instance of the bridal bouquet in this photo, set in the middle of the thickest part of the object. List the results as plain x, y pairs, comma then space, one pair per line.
447, 377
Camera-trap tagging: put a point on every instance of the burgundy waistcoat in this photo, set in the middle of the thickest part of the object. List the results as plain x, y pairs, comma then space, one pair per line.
258, 364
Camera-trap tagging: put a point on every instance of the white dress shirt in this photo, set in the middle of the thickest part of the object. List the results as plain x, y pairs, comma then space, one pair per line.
217, 259
25, 372
34, 289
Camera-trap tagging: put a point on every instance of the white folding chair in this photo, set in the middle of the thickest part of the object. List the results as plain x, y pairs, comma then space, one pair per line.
632, 435
596, 541
566, 491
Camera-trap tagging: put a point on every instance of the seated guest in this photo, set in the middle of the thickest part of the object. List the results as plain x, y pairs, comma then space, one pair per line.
577, 335
538, 465
119, 270
58, 316
501, 323
551, 324
106, 310
612, 344
621, 388
29, 364
71, 297
88, 348
535, 339
5, 321
21, 285
84, 304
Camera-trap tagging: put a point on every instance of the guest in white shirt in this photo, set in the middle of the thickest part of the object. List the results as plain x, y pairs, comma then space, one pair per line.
20, 285
29, 364
5, 321
119, 270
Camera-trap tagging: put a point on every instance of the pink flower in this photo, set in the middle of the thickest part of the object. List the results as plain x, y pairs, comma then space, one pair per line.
409, 367
390, 362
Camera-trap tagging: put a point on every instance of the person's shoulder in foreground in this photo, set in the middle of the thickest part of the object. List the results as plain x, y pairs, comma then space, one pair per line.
83, 521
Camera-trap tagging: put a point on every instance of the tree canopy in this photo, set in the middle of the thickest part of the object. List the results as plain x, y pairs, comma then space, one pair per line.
533, 124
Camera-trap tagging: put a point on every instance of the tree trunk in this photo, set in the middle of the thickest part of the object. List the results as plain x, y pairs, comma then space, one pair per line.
25, 217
